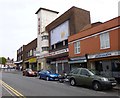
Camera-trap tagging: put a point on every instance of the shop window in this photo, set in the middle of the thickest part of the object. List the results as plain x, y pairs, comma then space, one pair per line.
116, 66
77, 47
98, 67
104, 41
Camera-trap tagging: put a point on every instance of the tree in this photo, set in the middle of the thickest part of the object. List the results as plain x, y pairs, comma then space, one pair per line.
3, 60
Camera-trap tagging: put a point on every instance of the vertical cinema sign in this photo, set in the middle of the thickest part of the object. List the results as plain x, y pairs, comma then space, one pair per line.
38, 25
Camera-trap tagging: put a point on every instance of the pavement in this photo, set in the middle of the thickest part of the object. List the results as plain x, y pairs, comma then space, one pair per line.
117, 87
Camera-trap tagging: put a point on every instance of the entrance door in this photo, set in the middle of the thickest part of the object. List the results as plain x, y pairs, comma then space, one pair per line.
107, 70
59, 68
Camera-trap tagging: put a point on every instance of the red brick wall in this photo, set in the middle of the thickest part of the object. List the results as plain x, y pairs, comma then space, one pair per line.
92, 45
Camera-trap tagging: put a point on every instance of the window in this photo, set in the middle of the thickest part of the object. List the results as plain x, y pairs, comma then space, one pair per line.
45, 48
77, 47
104, 41
84, 72
28, 54
45, 37
75, 71
31, 52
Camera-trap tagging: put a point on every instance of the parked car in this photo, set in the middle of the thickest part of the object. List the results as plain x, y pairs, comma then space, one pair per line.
29, 72
82, 76
48, 75
63, 77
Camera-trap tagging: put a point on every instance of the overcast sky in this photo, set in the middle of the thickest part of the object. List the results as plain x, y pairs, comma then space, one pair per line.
18, 21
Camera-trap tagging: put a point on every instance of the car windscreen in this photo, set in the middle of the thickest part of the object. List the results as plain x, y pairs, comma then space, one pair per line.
91, 73
50, 72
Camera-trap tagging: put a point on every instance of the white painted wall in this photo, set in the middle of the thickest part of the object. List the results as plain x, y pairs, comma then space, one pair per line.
46, 17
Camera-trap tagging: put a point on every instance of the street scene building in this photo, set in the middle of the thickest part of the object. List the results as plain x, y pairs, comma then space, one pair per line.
66, 42
30, 60
20, 57
69, 23
72, 48
26, 56
97, 48
44, 17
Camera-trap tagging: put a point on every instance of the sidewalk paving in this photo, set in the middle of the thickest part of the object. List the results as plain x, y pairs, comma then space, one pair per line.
117, 87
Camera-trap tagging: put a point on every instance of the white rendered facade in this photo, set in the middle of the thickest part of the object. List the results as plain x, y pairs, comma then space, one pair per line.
44, 17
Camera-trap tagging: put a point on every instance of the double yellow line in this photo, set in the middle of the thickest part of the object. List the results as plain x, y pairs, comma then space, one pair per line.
15, 92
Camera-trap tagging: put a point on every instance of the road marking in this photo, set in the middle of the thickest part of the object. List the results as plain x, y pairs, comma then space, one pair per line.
12, 90
7, 90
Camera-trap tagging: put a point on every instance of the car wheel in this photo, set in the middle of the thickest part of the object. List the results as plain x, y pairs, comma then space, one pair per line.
39, 77
97, 86
47, 78
72, 82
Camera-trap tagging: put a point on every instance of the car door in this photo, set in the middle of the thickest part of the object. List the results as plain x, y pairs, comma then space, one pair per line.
45, 74
84, 77
42, 74
75, 75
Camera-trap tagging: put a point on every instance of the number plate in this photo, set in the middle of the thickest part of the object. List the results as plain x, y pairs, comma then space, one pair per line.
113, 83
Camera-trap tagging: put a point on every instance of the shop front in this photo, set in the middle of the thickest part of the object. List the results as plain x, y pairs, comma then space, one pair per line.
31, 63
60, 65
78, 62
42, 64
58, 61
105, 64
19, 64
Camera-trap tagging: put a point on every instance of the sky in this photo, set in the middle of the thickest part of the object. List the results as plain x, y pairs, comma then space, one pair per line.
18, 21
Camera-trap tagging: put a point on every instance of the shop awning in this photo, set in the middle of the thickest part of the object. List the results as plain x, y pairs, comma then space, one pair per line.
17, 62
78, 61
32, 60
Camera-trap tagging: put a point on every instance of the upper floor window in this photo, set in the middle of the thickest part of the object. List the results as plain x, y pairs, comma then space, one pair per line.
45, 48
77, 47
45, 37
31, 52
104, 41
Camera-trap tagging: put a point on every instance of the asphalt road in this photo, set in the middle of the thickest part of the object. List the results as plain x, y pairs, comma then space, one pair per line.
33, 86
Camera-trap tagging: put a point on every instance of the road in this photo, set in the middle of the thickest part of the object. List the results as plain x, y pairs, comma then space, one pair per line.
33, 86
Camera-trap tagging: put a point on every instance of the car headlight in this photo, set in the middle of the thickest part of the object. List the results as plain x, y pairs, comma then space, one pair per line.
59, 76
104, 79
30, 72
51, 75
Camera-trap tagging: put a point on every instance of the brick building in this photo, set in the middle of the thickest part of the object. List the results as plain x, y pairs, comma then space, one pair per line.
69, 23
26, 57
97, 48
30, 60
20, 56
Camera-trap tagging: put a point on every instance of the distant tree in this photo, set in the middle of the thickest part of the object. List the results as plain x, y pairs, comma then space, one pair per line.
0, 60
3, 60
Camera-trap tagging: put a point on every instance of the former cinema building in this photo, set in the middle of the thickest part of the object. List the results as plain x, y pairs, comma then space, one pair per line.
69, 23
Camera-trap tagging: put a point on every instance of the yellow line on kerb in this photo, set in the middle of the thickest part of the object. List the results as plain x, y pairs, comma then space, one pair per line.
12, 90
